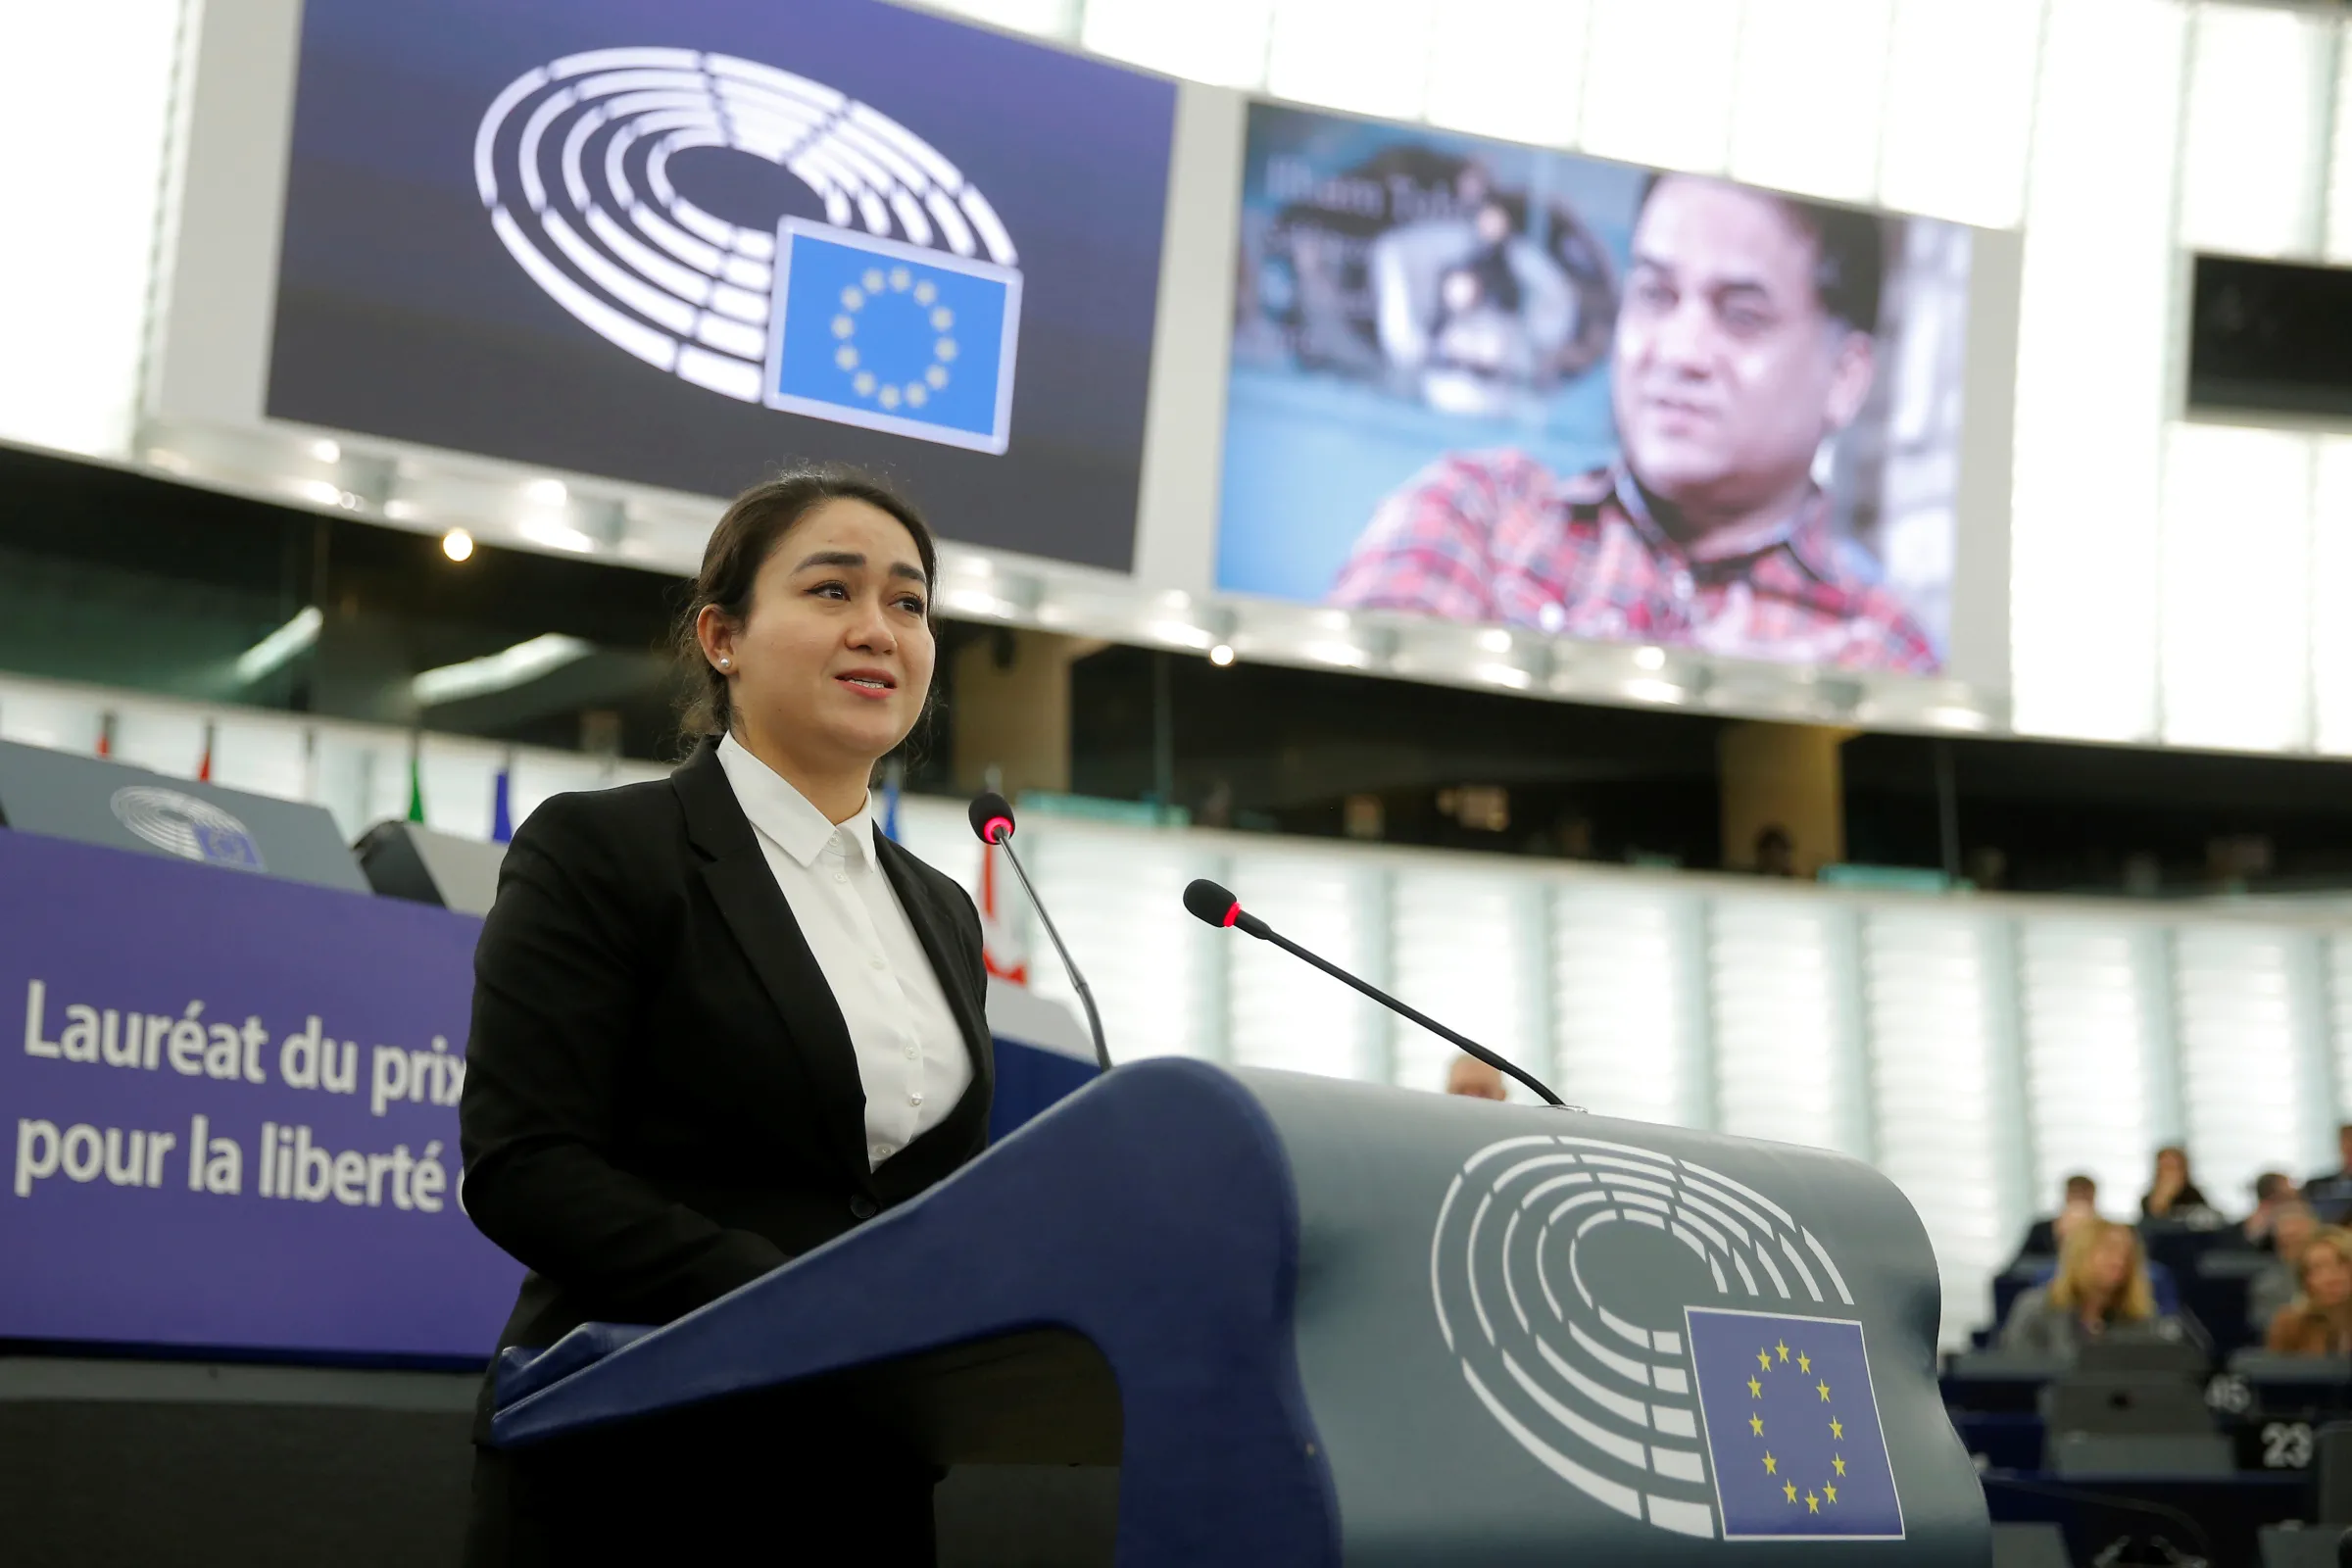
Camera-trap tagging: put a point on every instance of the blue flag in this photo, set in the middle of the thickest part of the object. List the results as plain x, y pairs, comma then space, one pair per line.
1792, 1427
892, 336
502, 815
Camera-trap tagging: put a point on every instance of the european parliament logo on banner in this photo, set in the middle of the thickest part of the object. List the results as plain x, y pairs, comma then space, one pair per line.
1793, 1428
891, 336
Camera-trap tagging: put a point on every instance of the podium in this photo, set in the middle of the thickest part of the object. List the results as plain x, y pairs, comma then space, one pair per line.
1318, 1322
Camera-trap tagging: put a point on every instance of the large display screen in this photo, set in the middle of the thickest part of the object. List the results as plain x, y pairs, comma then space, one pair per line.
1490, 383
681, 242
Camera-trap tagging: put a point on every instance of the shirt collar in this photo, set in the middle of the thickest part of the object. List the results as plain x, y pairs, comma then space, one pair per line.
1804, 533
786, 816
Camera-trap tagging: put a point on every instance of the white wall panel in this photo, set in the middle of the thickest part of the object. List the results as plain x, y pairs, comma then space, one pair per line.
2330, 593
1659, 81
1512, 69
1368, 56
1117, 900
1457, 957
2093, 362
1628, 988
2083, 1021
1806, 103
1779, 1020
1952, 66
1282, 1013
86, 117
1933, 1093
2249, 1051
1222, 42
2236, 562
2256, 127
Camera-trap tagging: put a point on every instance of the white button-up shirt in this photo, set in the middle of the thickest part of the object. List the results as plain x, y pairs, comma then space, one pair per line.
912, 1057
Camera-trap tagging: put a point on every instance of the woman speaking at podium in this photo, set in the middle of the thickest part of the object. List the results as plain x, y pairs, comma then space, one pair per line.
719, 1020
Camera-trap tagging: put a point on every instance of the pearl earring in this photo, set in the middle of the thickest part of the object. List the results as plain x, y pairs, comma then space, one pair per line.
727, 663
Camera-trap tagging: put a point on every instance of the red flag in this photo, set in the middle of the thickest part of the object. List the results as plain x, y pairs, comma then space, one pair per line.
204, 764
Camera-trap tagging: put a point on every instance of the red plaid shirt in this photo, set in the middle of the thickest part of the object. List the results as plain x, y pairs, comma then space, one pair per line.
1497, 536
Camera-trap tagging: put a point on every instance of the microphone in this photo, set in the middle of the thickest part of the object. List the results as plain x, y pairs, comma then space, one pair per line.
992, 818
1219, 908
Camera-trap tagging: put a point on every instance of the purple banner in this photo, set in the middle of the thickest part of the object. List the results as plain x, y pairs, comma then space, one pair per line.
230, 1107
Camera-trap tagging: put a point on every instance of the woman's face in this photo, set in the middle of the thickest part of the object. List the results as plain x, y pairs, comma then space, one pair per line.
2111, 1263
834, 658
2326, 1277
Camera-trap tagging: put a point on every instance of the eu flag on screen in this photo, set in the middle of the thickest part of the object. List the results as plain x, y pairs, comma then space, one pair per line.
1792, 1427
891, 336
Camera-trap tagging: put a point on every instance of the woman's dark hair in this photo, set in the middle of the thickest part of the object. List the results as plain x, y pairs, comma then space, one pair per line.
748, 533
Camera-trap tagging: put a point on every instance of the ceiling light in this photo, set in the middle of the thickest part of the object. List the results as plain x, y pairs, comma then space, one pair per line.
1221, 655
274, 651
557, 535
1494, 640
547, 492
503, 670
326, 451
1346, 655
1510, 675
1650, 657
458, 545
1181, 633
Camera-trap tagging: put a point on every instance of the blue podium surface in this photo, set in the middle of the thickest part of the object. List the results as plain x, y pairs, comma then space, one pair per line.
1324, 1322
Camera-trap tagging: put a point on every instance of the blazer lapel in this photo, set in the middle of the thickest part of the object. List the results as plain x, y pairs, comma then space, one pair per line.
753, 906
946, 959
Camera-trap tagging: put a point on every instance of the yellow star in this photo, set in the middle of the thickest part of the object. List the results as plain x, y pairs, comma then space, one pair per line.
1755, 1390
1838, 1431
1840, 1461
1829, 1491
1825, 1392
1783, 1347
1755, 1424
1805, 1363
1812, 1503
1788, 1488
1771, 1466
1764, 1360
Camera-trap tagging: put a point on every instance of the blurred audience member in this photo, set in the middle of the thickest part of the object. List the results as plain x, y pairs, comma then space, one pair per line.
2102, 1284
2330, 1191
2271, 1292
2171, 1194
1472, 1077
2319, 1320
1775, 851
2047, 1235
2273, 1190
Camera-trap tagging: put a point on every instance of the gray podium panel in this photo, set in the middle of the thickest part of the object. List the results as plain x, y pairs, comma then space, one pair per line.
94, 800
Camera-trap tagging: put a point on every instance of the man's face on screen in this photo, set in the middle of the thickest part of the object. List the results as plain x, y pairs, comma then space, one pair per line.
1728, 373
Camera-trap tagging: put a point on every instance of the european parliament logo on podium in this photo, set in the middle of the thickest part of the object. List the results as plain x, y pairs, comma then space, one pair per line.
1792, 1427
905, 338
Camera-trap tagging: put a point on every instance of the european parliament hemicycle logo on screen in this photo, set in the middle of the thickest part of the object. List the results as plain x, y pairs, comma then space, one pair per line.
898, 313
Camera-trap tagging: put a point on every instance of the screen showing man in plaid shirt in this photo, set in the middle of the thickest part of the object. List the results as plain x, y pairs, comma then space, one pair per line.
1507, 385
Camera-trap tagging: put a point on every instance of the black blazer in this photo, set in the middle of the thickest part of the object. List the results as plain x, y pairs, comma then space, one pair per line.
661, 1101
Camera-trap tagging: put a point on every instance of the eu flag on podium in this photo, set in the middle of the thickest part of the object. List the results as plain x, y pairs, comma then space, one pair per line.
875, 333
1793, 1428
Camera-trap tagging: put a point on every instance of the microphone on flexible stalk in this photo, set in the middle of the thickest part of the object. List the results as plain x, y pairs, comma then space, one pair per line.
992, 818
1219, 908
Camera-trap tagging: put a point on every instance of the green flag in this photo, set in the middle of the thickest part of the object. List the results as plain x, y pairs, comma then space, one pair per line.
415, 788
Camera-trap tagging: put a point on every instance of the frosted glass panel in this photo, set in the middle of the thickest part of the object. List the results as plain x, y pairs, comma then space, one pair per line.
1627, 973
2236, 657
261, 755
1457, 959
2085, 1042
1805, 114
1118, 899
460, 785
61, 719
1932, 1093
2093, 357
1512, 69
1369, 56
939, 833
2330, 592
1284, 1014
1955, 65
2257, 101
1776, 1022
167, 740
1047, 19
2339, 1027
1221, 41
1659, 81
540, 774
2245, 1045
